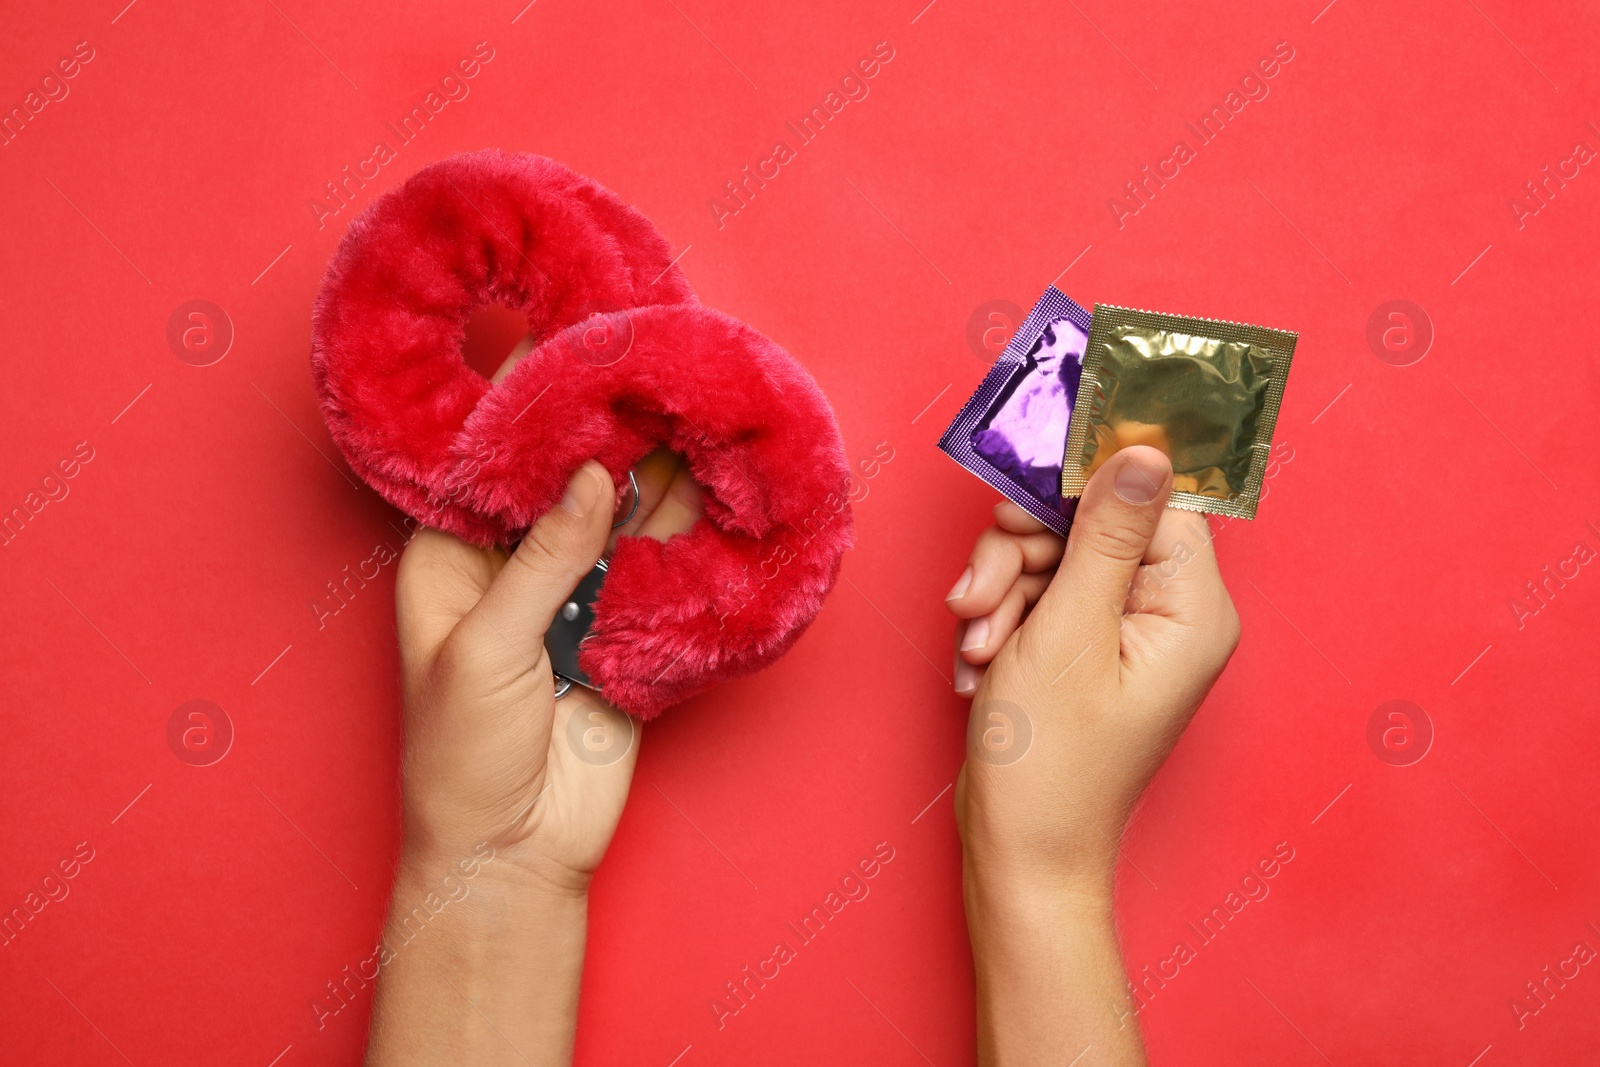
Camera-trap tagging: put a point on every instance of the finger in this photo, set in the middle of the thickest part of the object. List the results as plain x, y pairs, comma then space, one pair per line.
679, 509
1111, 532
966, 676
1183, 616
983, 636
654, 474
1011, 518
997, 560
524, 346
987, 634
439, 580
1180, 574
554, 555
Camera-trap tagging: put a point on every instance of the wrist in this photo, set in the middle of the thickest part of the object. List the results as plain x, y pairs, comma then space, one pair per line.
483, 874
1048, 973
470, 938
512, 857
1011, 843
1017, 899
460, 902
1008, 877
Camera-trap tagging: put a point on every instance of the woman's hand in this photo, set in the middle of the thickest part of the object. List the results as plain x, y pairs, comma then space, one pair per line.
1085, 662
510, 797
491, 755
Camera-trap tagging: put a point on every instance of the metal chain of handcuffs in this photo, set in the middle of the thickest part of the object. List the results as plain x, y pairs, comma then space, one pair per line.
571, 624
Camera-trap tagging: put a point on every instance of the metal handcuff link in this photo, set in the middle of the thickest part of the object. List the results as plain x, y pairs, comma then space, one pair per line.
572, 623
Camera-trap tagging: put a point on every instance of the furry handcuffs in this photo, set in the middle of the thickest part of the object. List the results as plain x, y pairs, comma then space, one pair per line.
626, 359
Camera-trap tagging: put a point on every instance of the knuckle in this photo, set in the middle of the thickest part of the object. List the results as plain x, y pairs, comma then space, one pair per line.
474, 660
1032, 587
1116, 540
1041, 551
994, 546
418, 559
542, 553
996, 563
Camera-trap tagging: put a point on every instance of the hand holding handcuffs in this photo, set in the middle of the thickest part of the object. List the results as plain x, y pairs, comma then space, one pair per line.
625, 360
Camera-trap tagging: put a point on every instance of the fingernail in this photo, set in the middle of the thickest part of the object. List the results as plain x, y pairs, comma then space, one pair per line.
977, 635
966, 677
583, 492
959, 590
1138, 483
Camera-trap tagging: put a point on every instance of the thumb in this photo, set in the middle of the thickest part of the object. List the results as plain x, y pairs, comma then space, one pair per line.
554, 555
1111, 533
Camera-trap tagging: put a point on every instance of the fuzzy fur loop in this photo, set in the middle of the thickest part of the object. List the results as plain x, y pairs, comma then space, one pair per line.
626, 359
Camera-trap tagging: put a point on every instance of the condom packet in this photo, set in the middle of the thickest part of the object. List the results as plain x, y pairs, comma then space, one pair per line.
1204, 391
1011, 431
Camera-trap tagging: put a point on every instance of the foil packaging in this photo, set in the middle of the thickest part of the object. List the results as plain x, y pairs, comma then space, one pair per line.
1204, 391
1011, 431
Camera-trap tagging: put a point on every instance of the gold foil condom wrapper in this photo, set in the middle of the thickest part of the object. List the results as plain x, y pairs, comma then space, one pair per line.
1204, 391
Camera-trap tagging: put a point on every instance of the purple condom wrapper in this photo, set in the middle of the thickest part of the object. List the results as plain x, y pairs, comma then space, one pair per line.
1012, 432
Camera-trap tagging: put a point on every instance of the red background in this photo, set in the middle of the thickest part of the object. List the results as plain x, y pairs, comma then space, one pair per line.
1383, 566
